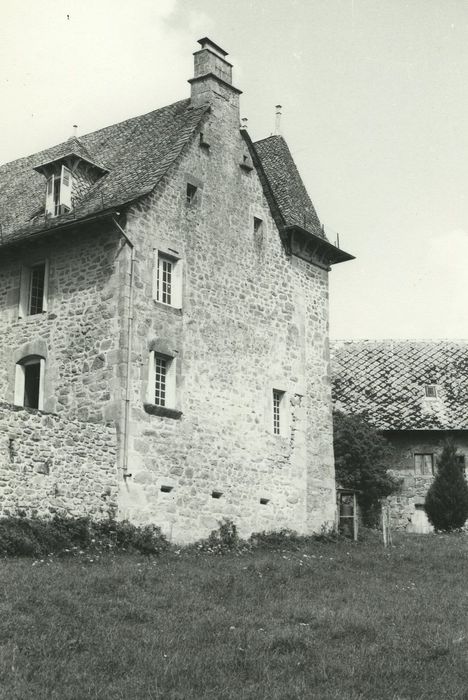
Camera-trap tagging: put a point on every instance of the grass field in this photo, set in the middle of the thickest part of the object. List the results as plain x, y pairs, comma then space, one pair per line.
337, 620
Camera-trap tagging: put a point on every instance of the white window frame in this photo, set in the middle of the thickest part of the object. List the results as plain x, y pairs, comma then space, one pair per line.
160, 257
170, 383
278, 428
20, 374
25, 289
55, 207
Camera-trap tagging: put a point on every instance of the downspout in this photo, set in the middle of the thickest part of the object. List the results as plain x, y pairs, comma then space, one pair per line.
129, 352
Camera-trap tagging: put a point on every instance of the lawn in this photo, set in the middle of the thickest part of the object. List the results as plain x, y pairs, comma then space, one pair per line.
336, 620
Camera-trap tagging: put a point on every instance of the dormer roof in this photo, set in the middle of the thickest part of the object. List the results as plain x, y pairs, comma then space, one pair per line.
72, 148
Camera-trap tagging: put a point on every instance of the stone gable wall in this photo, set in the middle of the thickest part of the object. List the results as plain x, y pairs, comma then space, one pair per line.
51, 465
252, 319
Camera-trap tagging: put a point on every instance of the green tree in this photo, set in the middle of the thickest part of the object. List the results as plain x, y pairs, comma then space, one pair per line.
362, 457
446, 501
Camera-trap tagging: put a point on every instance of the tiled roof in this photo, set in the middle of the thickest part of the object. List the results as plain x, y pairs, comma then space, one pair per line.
73, 146
386, 381
286, 184
137, 153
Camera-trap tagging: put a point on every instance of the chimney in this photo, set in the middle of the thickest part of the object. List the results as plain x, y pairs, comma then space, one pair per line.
278, 119
212, 77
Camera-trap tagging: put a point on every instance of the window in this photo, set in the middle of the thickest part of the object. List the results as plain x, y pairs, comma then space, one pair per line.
33, 292
168, 282
58, 193
431, 391
461, 461
257, 225
277, 411
191, 192
29, 382
161, 385
424, 464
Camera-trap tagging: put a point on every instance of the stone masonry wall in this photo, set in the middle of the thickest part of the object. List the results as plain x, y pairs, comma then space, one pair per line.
50, 465
78, 334
252, 319
414, 487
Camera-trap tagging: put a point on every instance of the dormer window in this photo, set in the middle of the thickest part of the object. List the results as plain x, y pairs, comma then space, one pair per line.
58, 193
69, 175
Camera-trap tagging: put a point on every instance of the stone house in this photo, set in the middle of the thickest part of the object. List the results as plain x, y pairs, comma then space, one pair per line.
416, 394
164, 324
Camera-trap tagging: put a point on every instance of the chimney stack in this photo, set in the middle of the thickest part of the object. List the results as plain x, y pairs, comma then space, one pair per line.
212, 76
278, 120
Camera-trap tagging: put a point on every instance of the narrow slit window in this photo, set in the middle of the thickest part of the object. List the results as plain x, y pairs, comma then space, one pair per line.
160, 380
257, 225
164, 281
277, 398
191, 192
36, 289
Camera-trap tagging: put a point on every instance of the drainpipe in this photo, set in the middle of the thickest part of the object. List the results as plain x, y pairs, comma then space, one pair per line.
129, 352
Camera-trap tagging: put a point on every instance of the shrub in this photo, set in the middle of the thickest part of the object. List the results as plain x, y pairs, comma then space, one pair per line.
222, 540
446, 501
21, 536
362, 457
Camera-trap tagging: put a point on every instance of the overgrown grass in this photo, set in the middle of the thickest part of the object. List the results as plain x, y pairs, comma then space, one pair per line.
310, 620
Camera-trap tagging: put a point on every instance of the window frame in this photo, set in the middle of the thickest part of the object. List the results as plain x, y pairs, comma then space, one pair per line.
431, 391
422, 461
170, 398
176, 280
24, 309
58, 197
278, 416
20, 380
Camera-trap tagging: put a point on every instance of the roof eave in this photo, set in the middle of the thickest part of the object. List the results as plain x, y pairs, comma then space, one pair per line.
306, 244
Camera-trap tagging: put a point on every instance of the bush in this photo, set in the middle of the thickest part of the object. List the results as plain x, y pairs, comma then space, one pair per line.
446, 501
223, 540
362, 457
21, 536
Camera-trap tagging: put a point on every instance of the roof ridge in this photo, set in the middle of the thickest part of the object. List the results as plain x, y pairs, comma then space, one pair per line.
96, 131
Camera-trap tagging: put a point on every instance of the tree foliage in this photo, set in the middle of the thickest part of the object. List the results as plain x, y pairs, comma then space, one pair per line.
362, 458
446, 501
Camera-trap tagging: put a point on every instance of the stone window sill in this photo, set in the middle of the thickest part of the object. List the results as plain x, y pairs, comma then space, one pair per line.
162, 411
169, 309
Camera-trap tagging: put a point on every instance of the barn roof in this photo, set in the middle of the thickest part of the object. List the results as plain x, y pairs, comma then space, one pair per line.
387, 379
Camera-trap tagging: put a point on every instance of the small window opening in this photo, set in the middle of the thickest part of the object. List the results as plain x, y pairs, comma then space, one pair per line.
160, 380
424, 464
164, 280
264, 501
277, 398
461, 461
216, 494
191, 192
36, 289
257, 225
166, 489
419, 506
431, 391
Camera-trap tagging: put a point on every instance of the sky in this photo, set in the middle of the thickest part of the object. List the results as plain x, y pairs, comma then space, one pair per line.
375, 112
